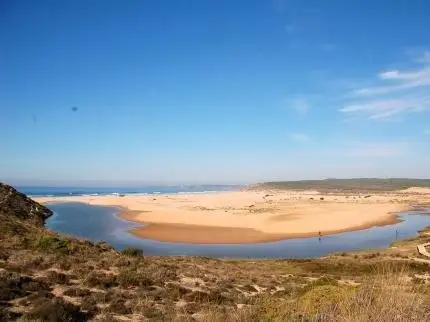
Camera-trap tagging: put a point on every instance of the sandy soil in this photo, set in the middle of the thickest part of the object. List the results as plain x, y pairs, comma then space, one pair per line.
253, 216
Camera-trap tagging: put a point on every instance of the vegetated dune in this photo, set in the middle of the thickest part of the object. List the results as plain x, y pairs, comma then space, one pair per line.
50, 277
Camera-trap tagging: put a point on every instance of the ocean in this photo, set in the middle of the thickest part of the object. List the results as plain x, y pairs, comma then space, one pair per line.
80, 191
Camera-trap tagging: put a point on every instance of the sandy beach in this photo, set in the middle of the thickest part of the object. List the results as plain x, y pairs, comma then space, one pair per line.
253, 216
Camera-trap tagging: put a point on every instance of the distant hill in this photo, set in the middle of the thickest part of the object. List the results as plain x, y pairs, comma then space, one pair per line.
348, 185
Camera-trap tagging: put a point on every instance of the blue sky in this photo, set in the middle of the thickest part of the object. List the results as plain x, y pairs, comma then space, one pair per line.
105, 92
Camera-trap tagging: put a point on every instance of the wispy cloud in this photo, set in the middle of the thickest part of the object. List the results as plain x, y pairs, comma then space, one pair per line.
427, 132
300, 105
424, 58
402, 81
396, 92
300, 137
386, 108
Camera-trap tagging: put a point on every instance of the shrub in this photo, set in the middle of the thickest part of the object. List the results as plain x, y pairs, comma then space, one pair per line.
131, 277
175, 291
325, 280
52, 243
3, 255
322, 297
76, 292
37, 296
64, 264
266, 308
131, 251
6, 315
100, 280
118, 306
89, 304
213, 297
57, 278
10, 286
55, 310
13, 285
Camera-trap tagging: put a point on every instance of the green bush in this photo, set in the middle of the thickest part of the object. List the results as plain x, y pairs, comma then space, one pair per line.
325, 280
321, 297
53, 243
133, 252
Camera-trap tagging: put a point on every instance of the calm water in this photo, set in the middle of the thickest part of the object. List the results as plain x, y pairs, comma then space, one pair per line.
99, 223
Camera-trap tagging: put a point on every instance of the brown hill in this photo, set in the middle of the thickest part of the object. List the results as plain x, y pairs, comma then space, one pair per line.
14, 204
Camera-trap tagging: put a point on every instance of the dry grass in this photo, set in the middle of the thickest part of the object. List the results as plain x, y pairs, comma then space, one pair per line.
387, 295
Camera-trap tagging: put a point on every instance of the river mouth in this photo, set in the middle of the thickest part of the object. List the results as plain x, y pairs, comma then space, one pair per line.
101, 223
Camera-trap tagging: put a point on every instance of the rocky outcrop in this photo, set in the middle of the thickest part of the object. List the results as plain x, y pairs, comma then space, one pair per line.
16, 205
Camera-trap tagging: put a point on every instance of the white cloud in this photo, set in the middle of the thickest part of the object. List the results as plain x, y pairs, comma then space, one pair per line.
300, 137
405, 81
377, 150
386, 108
397, 92
427, 132
420, 74
300, 105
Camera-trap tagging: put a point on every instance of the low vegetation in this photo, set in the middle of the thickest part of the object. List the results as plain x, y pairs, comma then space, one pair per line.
362, 185
49, 277
132, 251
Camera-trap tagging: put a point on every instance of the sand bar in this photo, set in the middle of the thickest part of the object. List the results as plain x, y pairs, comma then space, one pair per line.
251, 216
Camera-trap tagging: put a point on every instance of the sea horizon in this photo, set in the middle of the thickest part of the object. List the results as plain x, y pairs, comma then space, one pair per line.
54, 191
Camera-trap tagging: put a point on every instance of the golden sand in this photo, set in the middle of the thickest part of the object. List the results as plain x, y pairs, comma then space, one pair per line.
252, 216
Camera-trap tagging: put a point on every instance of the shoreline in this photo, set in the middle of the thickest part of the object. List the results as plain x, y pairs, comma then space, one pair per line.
249, 217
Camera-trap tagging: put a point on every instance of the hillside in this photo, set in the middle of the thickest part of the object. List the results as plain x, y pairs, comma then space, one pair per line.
348, 185
50, 277
14, 204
